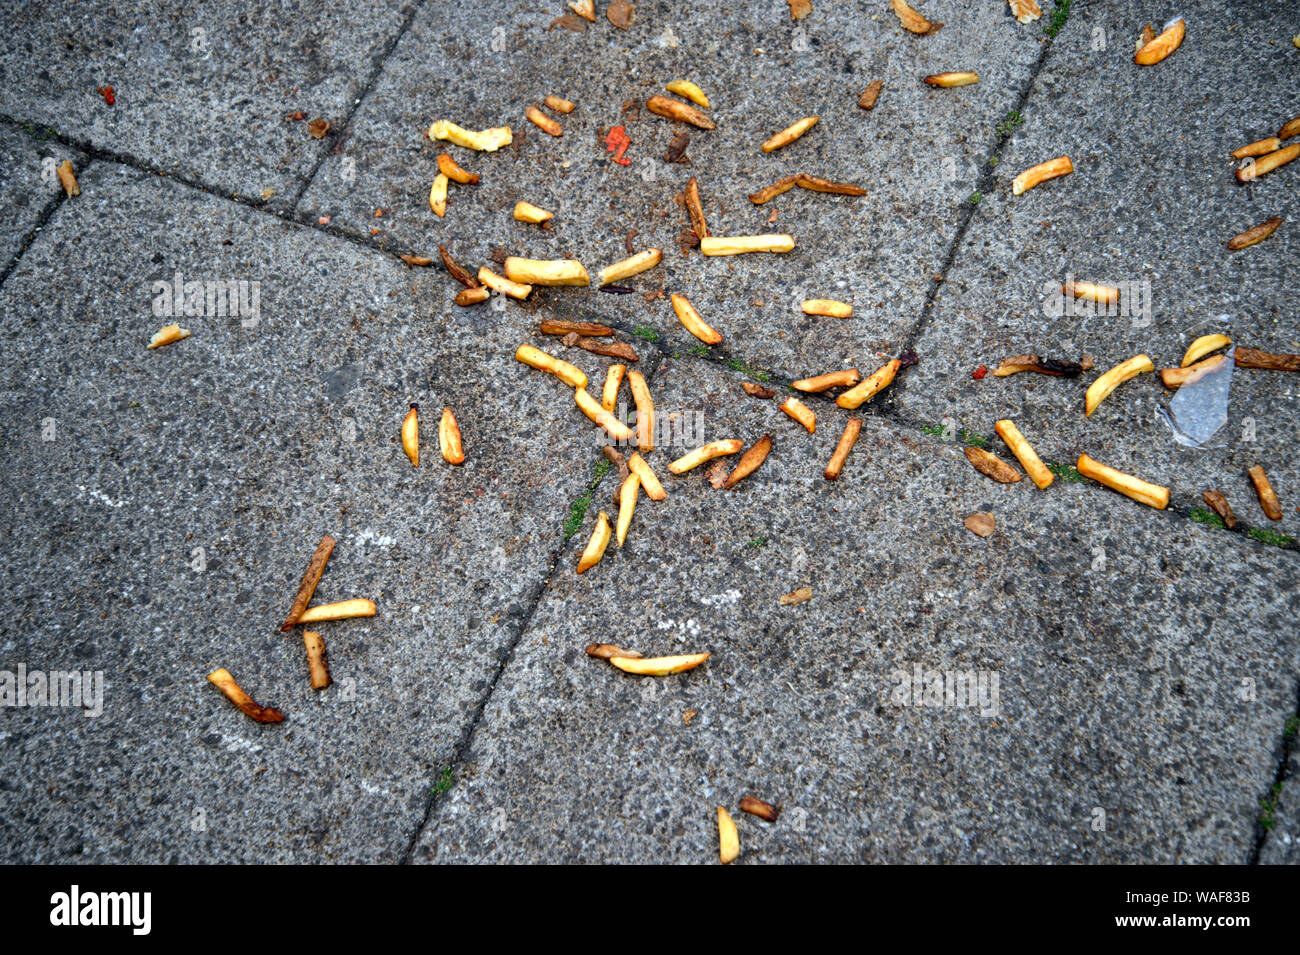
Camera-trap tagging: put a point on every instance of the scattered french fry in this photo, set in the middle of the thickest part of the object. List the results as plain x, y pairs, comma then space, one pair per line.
674, 109
728, 838
692, 321
1105, 294
68, 178
1258, 148
1267, 163
828, 307
749, 461
543, 122
741, 244
571, 375
1156, 50
595, 549
1043, 366
695, 209
411, 435
990, 465
1292, 128
953, 79
869, 96
641, 262
649, 481
613, 380
455, 271
912, 20
222, 679
688, 90
606, 651
847, 440
659, 666
714, 449
778, 188
757, 807
832, 379
1175, 378
870, 387
167, 335
343, 610
788, 135
488, 140
503, 285
627, 495
452, 170
757, 390
800, 412
559, 104
1025, 11
1151, 494
317, 660
1035, 175
527, 212
1203, 346
645, 411
1103, 386
1220, 504
795, 597
473, 296
310, 578
1255, 234
584, 8
549, 272
817, 184
449, 438
592, 409
1267, 496
557, 326
1254, 358
1025, 454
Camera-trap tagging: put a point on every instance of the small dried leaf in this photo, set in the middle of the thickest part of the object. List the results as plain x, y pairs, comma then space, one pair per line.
620, 13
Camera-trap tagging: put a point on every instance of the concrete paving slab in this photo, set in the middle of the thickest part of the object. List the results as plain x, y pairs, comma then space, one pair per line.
29, 185
1137, 715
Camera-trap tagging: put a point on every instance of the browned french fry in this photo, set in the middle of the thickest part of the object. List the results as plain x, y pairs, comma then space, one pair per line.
692, 321
1024, 453
1269, 162
438, 195
758, 391
502, 284
454, 269
696, 209
592, 409
473, 296
757, 807
452, 170
449, 438
543, 122
953, 79
1203, 346
740, 244
487, 140
870, 387
1175, 378
596, 545
68, 178
167, 335
222, 679
536, 358
659, 666
1267, 496
411, 435
1255, 234
645, 411
1042, 366
675, 109
912, 20
795, 597
871, 94
1105, 294
1146, 493
649, 482
306, 589
788, 135
1035, 175
1292, 128
343, 610
817, 184
1156, 50
832, 379
728, 838
559, 104
800, 412
317, 660
527, 212
613, 379
1254, 358
847, 440
415, 261
549, 272
584, 8
635, 265
714, 449
1103, 386
606, 651
749, 461
1258, 148
828, 307
1221, 507
556, 326
777, 188
627, 505
992, 466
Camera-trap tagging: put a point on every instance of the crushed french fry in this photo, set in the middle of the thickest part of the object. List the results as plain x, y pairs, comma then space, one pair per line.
990, 465
527, 212
847, 440
558, 326
649, 481
1043, 366
223, 681
343, 610
714, 449
452, 170
1157, 49
613, 380
559, 104
68, 178
167, 335
411, 435
1264, 491
310, 578
584, 8
788, 135
606, 651
592, 409
1025, 11
870, 387
912, 20
674, 109
688, 90
548, 272
438, 195
659, 666
488, 140
505, 286
1203, 346
741, 244
449, 438
473, 296
641, 262
1024, 453
832, 379
317, 660
627, 495
645, 411
595, 549
692, 321
571, 375
1142, 491
828, 307
800, 412
749, 461
1036, 175
1103, 386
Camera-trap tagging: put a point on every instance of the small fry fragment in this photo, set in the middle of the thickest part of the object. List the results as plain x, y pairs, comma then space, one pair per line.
659, 666
740, 244
613, 380
592, 409
674, 109
1267, 496
800, 412
1103, 386
222, 679
847, 440
1203, 346
714, 449
488, 140
310, 578
1043, 366
1258, 148
1291, 128
596, 545
1156, 50
1025, 11
594, 345
800, 596
1151, 494
696, 209
1220, 504
1035, 175
788, 135
527, 212
912, 20
692, 321
473, 296
343, 610
870, 387
452, 170
438, 195
549, 272
411, 435
688, 90
558, 103
571, 375
167, 335
653, 489
828, 307
317, 660
456, 272
869, 96
780, 187
1175, 378
645, 411
556, 326
981, 524
1255, 234
606, 651
728, 838
641, 262
68, 178
543, 122
832, 379
502, 284
749, 461
990, 465
584, 8
756, 390
757, 807
1254, 358
1105, 294
627, 505
1267, 163
953, 79
415, 261
449, 438
1025, 454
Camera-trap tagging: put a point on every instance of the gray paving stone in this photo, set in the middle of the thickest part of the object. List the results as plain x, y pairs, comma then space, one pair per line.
202, 90
28, 184
1120, 681
1282, 844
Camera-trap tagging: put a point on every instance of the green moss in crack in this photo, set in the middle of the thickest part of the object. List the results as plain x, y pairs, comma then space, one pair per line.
1066, 472
1268, 536
578, 509
1204, 515
1060, 13
649, 334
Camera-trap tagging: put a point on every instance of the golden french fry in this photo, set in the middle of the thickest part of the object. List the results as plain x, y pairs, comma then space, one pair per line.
503, 285
596, 545
222, 679
653, 489
740, 244
870, 387
757, 807
167, 335
1259, 147
749, 461
558, 103
527, 212
1105, 294
637, 264
613, 379
606, 651
68, 178
690, 318
728, 838
1267, 163
788, 135
1255, 234
452, 170
1034, 175
343, 610
992, 466
411, 434
800, 412
584, 8
1153, 52
688, 90
1175, 378
832, 379
627, 505
827, 306
473, 296
1142, 491
953, 79
1292, 128
714, 449
562, 272
449, 438
317, 660
592, 409
1267, 496
847, 440
1025, 11
315, 568
488, 140
543, 122
536, 358
1025, 454
672, 109
1103, 386
645, 411
1203, 346
912, 20
659, 666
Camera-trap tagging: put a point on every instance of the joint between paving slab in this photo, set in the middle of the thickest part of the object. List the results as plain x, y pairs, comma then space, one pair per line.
1289, 742
46, 214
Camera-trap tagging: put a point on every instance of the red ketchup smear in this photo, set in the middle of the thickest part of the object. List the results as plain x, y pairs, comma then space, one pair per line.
979, 372
617, 142
107, 93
